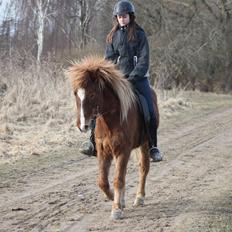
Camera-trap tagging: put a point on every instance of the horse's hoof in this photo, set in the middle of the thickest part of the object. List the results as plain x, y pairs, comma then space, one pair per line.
116, 214
139, 201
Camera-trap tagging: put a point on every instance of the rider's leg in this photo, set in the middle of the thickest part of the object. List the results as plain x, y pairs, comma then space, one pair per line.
144, 88
89, 147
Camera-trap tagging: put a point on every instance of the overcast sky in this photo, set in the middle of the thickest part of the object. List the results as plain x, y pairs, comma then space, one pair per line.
3, 8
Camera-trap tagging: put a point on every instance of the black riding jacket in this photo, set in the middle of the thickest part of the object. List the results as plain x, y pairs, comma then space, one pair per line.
131, 57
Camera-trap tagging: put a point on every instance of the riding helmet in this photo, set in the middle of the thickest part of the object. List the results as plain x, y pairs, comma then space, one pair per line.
123, 7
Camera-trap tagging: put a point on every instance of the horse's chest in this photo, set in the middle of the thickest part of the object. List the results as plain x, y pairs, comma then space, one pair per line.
110, 139
113, 143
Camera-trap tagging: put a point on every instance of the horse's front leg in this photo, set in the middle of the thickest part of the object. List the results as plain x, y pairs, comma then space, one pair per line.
144, 166
119, 186
103, 182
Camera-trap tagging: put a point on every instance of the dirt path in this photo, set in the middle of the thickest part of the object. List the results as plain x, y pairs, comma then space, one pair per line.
191, 190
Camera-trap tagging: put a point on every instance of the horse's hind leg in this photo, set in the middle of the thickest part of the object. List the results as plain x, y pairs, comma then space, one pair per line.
119, 186
103, 182
144, 165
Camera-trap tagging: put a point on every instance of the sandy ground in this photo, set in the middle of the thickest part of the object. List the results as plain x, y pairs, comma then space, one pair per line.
191, 190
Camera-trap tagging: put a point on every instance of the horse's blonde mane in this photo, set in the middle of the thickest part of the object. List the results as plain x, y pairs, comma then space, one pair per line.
105, 72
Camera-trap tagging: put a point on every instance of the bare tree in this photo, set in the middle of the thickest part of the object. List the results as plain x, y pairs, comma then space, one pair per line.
40, 10
190, 40
88, 10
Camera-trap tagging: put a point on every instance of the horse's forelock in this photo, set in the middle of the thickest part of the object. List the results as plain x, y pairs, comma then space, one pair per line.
81, 73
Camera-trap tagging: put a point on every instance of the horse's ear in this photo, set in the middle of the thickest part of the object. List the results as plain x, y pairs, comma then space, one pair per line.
98, 73
94, 75
90, 76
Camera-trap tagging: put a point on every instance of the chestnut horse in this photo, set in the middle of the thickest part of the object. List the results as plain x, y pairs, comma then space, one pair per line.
101, 91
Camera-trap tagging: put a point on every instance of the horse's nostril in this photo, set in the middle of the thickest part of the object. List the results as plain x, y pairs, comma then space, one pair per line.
86, 127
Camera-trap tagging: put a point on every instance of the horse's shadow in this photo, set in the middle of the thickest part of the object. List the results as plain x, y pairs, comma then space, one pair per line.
154, 211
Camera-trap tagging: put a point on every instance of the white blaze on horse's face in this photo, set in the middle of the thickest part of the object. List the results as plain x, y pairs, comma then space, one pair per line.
81, 95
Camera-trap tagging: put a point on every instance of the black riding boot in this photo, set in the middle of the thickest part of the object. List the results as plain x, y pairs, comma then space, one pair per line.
155, 154
89, 147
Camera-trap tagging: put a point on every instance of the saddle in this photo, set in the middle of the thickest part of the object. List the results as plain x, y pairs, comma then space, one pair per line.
145, 114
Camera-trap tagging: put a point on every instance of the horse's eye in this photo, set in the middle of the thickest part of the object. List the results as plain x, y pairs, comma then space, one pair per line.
75, 93
92, 96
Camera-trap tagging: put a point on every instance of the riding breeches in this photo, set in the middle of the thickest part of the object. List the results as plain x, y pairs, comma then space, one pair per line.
143, 87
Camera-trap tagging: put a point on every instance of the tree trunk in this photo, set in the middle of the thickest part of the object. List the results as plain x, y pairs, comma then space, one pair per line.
42, 14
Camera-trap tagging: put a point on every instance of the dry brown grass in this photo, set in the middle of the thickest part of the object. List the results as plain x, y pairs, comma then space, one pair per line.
172, 101
32, 94
36, 109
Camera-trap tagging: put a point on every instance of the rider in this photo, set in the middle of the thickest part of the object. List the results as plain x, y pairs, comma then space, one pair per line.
128, 48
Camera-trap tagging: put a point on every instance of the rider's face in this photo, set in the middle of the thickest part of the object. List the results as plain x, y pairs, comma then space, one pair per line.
123, 20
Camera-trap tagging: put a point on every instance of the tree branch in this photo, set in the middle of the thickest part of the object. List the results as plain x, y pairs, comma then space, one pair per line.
209, 8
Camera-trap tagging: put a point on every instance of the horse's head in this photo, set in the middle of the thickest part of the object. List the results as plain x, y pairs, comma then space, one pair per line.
88, 90
90, 79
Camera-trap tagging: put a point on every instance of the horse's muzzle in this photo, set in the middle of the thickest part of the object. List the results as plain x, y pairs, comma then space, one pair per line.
84, 128
87, 126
